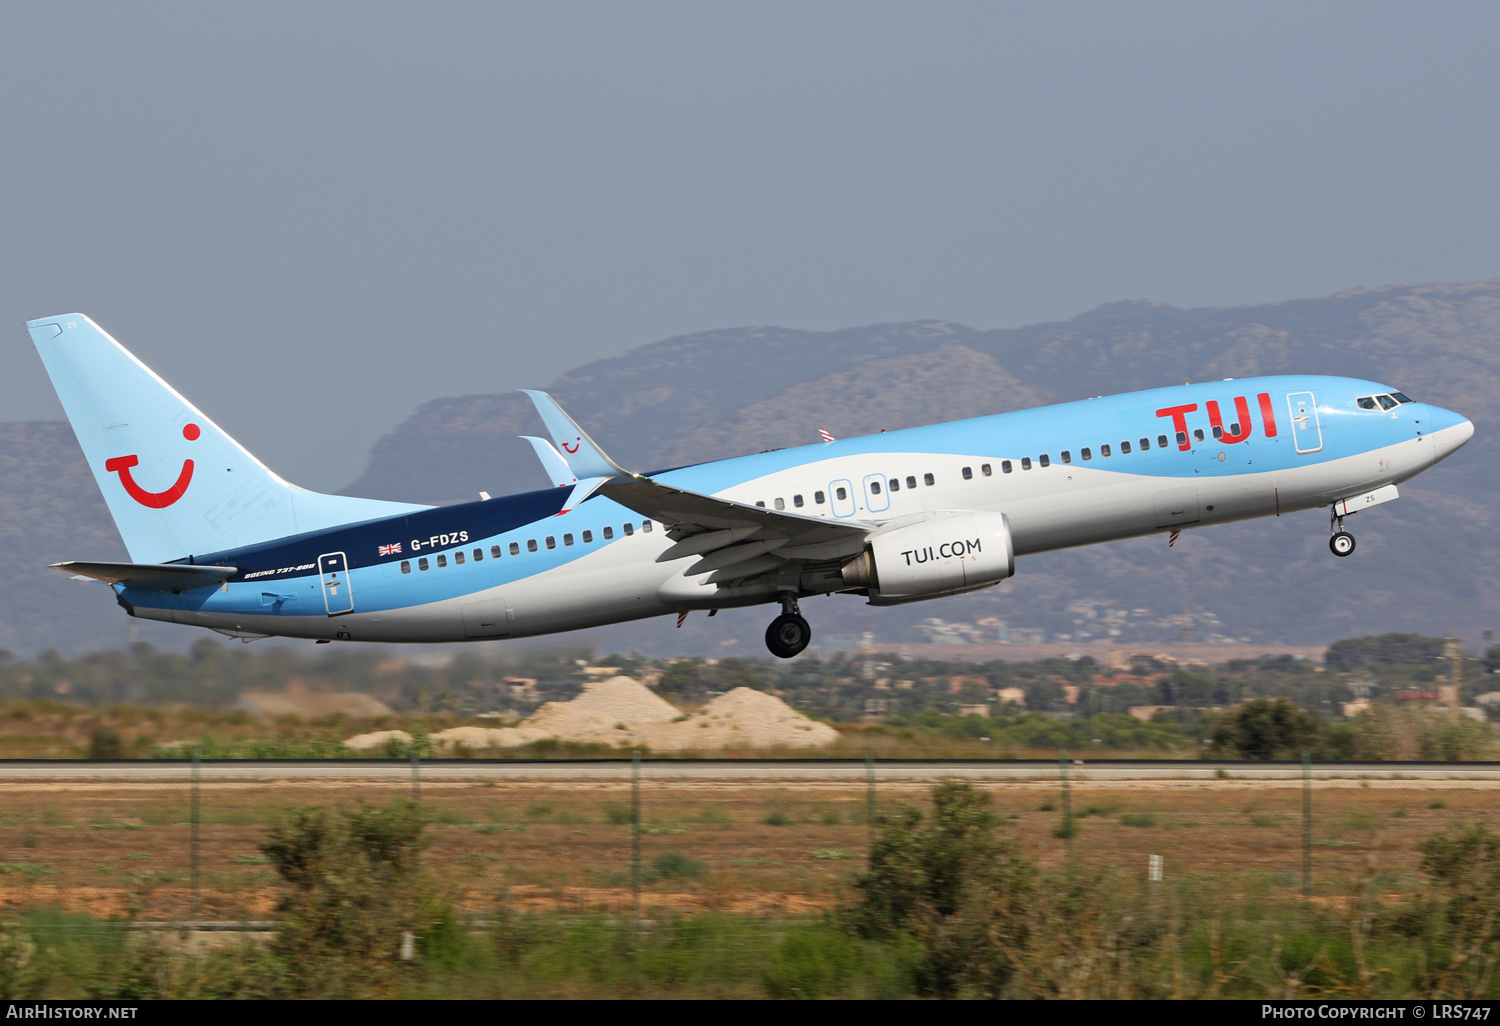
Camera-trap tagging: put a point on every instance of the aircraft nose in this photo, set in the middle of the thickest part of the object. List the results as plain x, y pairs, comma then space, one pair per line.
1449, 438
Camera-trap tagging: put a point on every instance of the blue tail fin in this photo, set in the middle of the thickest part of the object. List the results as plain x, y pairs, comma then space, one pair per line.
175, 483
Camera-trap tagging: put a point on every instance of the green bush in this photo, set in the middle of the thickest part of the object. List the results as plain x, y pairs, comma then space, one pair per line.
673, 865
951, 885
354, 890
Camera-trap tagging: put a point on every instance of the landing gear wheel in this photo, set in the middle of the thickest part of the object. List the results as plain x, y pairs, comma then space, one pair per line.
1341, 543
788, 635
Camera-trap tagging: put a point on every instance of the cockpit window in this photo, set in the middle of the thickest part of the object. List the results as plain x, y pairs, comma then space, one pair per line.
1365, 402
1401, 397
1386, 402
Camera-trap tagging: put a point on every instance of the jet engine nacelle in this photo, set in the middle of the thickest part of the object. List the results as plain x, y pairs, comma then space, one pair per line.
945, 555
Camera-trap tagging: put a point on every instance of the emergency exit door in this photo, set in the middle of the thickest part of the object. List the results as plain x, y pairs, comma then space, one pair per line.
338, 597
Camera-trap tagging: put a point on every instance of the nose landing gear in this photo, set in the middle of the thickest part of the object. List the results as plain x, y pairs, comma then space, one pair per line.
789, 633
1342, 542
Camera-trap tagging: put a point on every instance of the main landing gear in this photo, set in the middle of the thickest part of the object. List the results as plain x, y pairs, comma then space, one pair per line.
1342, 542
788, 634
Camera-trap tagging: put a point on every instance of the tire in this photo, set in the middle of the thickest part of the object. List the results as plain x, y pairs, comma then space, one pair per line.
788, 635
1341, 544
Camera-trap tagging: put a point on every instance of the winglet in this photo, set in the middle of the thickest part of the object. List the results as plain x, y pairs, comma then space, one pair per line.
584, 458
552, 462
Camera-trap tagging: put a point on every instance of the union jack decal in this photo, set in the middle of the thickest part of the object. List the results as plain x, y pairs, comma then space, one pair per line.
391, 550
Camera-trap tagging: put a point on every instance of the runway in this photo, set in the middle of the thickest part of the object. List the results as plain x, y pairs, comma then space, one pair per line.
732, 770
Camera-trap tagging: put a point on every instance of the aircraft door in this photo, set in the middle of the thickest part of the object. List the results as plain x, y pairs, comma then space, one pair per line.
1307, 433
877, 500
841, 495
338, 596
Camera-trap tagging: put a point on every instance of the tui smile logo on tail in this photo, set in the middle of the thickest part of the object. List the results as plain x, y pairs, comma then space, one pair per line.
155, 500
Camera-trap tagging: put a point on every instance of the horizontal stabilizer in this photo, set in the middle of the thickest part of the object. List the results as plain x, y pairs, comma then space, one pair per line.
151, 576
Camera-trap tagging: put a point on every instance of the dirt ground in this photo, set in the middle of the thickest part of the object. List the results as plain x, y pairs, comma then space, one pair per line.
124, 849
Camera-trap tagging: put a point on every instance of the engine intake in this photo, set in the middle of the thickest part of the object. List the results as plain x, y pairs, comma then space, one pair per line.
946, 555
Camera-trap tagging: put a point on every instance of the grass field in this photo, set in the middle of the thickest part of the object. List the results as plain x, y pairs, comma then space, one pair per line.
124, 850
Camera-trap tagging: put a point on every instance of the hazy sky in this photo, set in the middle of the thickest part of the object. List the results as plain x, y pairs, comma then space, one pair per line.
312, 217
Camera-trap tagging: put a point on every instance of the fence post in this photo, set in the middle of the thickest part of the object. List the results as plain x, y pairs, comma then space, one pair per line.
869, 804
1067, 804
193, 821
416, 771
635, 831
1306, 824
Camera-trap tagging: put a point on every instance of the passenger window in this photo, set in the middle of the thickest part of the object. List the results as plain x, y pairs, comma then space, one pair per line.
551, 541
588, 537
1365, 402
874, 487
968, 474
478, 555
628, 528
1386, 402
609, 534
1218, 431
1104, 450
927, 479
515, 548
797, 501
1198, 434
406, 566
1067, 457
1124, 447
494, 552
530, 544
568, 538
895, 484
761, 503
1182, 438
1086, 453
1145, 444
1401, 397
1161, 441
646, 526
841, 493
422, 563
442, 561
1005, 467
911, 481
781, 503
819, 498
984, 468
458, 558
1044, 460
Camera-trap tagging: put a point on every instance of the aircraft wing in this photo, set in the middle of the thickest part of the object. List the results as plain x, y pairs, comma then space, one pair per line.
699, 524
151, 576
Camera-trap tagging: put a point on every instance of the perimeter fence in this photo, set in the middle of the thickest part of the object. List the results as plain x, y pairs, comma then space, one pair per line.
183, 842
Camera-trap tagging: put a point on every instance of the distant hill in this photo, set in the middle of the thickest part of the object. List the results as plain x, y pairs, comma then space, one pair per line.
1423, 563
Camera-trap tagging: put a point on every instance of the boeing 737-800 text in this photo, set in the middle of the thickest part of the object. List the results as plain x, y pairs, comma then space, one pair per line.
219, 541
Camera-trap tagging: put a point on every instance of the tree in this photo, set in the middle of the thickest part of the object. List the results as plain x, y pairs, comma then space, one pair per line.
1266, 729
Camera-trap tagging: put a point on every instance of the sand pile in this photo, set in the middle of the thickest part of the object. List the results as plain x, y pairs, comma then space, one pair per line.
312, 703
604, 714
370, 742
743, 718
624, 713
477, 739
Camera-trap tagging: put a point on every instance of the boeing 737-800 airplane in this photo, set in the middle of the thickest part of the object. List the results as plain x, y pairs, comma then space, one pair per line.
219, 541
